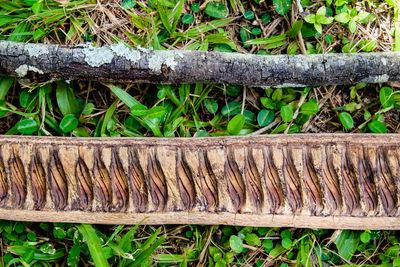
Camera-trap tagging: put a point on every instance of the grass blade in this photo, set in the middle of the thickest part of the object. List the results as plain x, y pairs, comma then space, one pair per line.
94, 245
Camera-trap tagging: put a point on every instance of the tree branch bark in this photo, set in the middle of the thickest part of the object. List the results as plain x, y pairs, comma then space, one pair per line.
42, 62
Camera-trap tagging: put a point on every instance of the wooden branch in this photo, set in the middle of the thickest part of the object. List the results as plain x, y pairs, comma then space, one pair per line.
305, 180
39, 62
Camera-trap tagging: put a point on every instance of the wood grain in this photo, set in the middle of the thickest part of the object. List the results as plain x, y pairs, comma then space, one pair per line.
323, 180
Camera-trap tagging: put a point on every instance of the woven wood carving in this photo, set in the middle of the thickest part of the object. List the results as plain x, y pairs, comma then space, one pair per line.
324, 180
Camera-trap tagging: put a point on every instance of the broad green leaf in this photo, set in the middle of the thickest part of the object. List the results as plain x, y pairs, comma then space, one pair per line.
93, 243
69, 123
66, 99
386, 97
216, 10
139, 110
265, 117
236, 124
38, 255
352, 26
144, 255
187, 19
343, 17
211, 105
309, 108
231, 109
287, 113
129, 100
347, 243
128, 4
156, 112
27, 126
236, 243
346, 120
282, 6
195, 7
377, 127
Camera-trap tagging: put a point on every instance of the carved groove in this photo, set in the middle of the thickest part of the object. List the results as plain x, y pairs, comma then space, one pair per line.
292, 182
253, 182
312, 184
84, 185
332, 190
3, 182
18, 179
137, 182
102, 182
350, 185
366, 181
118, 181
234, 179
157, 183
184, 180
57, 182
273, 183
208, 181
246, 176
38, 181
386, 185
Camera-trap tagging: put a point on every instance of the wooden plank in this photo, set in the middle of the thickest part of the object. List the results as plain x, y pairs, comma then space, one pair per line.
304, 180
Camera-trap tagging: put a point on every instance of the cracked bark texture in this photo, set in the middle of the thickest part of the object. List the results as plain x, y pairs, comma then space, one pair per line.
43, 62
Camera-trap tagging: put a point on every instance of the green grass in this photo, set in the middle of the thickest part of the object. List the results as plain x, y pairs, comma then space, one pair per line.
88, 109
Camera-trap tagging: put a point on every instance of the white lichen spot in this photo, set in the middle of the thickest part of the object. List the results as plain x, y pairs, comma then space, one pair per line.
163, 58
122, 51
285, 85
36, 50
384, 61
22, 70
97, 56
376, 79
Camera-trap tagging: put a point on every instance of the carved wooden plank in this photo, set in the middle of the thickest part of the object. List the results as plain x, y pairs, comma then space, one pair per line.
44, 62
304, 180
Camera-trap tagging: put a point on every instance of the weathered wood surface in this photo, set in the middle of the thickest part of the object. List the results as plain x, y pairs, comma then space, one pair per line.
319, 180
39, 62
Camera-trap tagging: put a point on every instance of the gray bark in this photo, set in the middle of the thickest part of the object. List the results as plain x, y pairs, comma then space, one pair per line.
40, 62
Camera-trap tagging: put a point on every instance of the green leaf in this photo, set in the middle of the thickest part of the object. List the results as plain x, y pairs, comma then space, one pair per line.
377, 127
59, 233
365, 237
236, 124
294, 30
139, 110
286, 113
156, 112
265, 117
352, 26
129, 100
282, 6
346, 120
27, 126
38, 255
66, 99
309, 108
93, 243
386, 97
216, 10
128, 4
343, 17
195, 7
211, 105
69, 123
231, 109
287, 243
236, 243
249, 15
347, 243
187, 19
